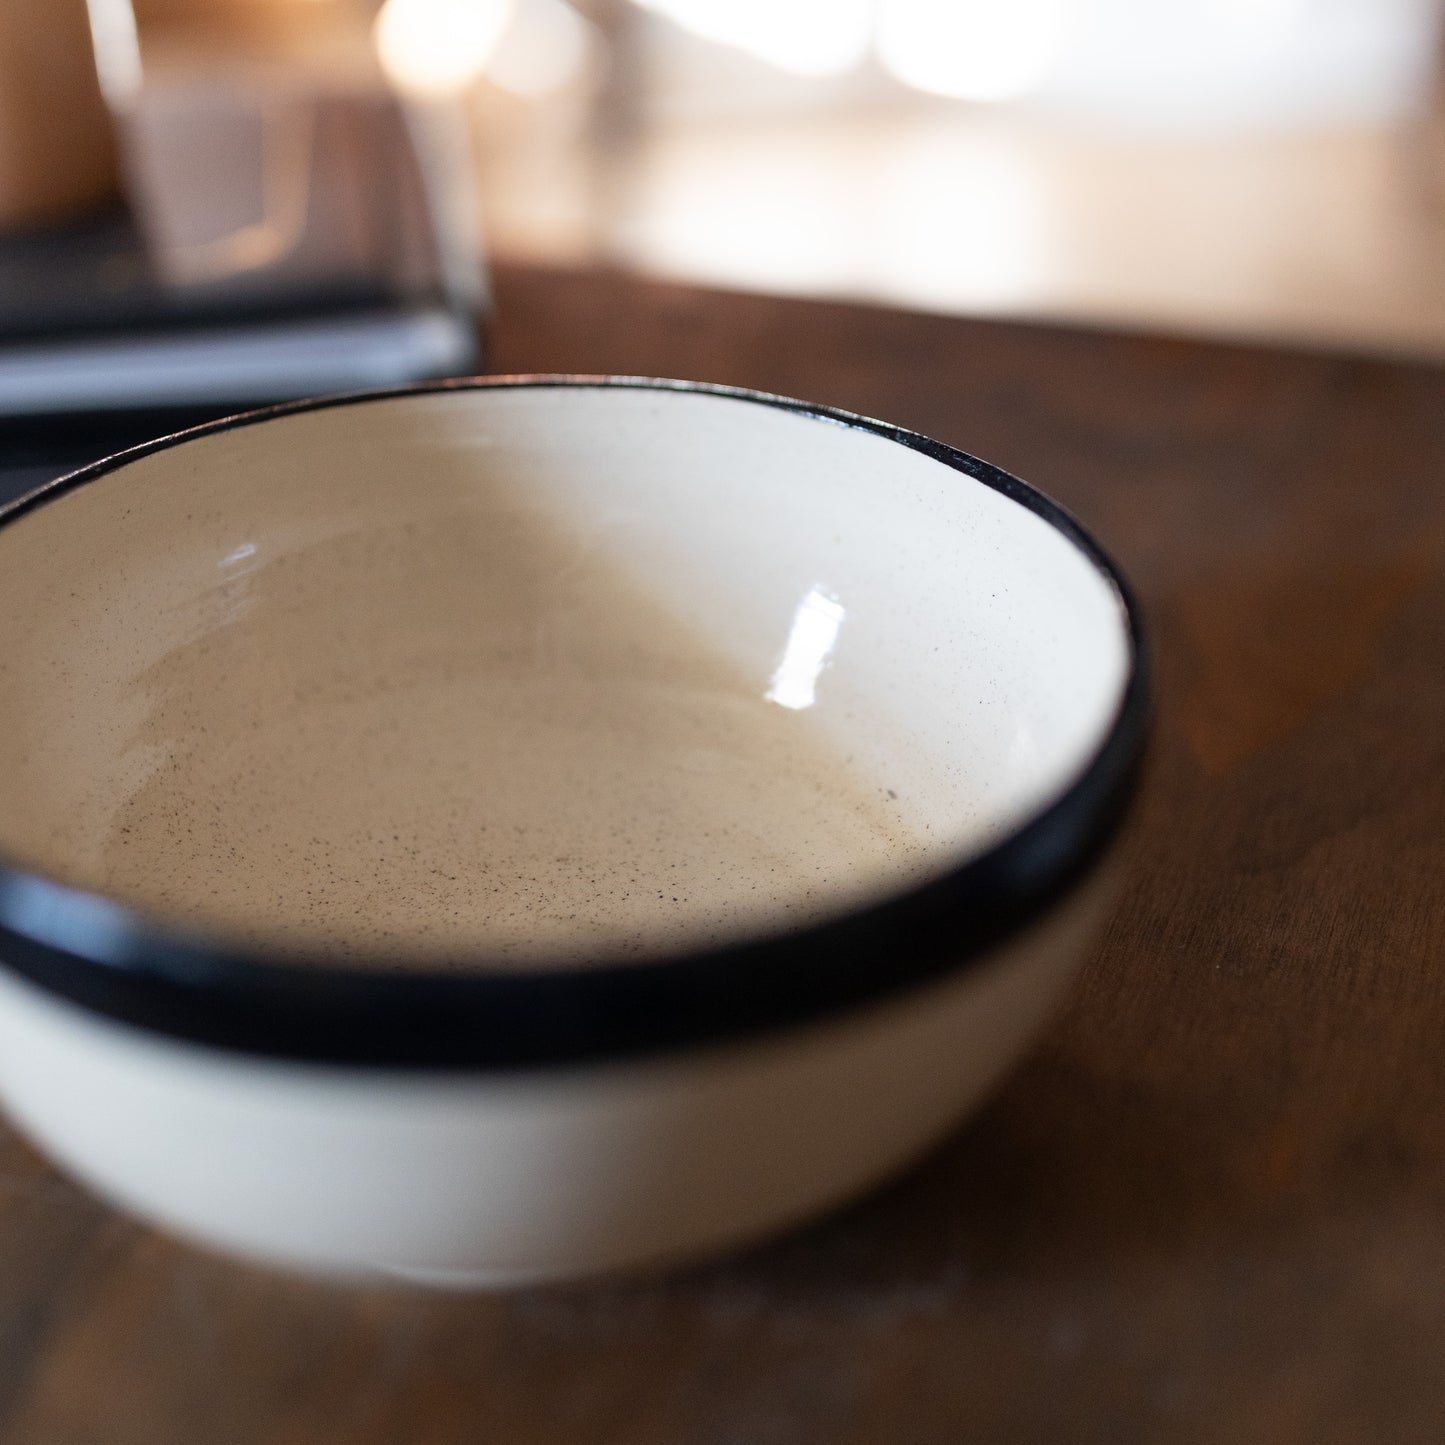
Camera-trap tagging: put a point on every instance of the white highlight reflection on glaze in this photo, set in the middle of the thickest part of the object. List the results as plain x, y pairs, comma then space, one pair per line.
811, 641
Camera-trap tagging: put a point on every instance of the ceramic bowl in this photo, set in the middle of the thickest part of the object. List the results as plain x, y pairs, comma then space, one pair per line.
516, 829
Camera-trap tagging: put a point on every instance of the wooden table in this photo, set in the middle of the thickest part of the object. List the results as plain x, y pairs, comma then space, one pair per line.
1211, 1204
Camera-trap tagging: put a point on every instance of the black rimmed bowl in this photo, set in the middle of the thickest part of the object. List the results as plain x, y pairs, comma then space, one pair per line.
515, 829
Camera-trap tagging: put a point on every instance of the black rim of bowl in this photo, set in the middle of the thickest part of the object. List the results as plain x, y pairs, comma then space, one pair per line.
115, 962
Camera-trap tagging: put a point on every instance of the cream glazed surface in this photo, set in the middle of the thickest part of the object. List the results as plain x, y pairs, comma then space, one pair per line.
496, 677
537, 827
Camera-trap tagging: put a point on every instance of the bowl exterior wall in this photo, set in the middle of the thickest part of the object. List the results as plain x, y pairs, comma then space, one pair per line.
513, 1177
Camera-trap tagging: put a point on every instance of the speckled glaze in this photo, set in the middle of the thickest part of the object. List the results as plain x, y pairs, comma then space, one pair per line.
499, 748
510, 693
714, 761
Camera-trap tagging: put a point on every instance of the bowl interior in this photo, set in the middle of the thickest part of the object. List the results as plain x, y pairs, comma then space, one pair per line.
539, 672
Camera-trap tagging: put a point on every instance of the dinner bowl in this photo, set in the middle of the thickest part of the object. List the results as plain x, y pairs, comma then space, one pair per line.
521, 828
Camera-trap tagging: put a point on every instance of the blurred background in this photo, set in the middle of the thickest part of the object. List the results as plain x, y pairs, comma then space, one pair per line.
1268, 169
1254, 167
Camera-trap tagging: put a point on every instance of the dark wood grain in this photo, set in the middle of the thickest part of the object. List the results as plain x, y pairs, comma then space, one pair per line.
1209, 1207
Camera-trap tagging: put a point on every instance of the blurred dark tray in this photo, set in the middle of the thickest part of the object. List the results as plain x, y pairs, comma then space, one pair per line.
34, 450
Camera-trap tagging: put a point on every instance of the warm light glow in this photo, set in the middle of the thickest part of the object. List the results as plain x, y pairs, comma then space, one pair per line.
437, 47
936, 237
117, 50
810, 644
971, 49
543, 50
1268, 16
803, 37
